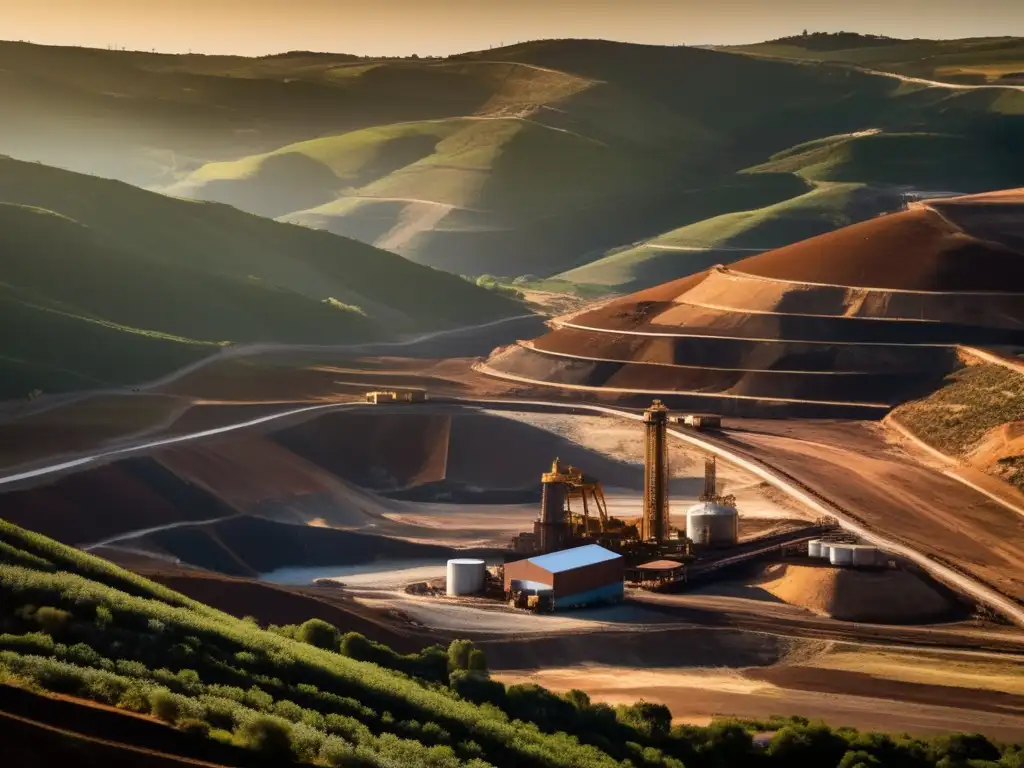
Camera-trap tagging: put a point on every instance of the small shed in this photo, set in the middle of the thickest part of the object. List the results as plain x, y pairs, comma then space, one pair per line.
657, 573
576, 577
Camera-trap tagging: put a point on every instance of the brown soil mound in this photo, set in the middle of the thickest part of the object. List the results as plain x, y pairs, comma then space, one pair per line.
373, 450
254, 473
1001, 452
93, 505
911, 250
884, 597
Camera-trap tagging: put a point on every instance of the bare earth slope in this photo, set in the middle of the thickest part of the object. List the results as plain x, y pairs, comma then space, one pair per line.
847, 323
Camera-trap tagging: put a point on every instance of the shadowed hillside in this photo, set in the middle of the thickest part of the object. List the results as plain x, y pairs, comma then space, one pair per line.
102, 283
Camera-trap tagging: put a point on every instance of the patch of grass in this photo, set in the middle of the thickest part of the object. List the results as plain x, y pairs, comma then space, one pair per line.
697, 246
973, 401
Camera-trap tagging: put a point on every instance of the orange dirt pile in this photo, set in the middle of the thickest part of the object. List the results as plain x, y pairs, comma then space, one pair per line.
911, 250
889, 596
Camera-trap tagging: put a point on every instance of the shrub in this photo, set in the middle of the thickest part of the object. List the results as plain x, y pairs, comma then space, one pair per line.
477, 689
52, 620
195, 727
104, 617
289, 710
652, 720
320, 634
458, 654
270, 736
134, 699
164, 705
477, 661
807, 744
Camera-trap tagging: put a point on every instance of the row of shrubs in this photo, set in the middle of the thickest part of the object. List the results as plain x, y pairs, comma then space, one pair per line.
307, 692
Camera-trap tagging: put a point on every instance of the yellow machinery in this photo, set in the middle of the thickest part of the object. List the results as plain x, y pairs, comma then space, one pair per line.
579, 489
391, 396
559, 520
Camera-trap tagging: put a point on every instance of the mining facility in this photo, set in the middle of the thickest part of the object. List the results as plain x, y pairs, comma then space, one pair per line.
578, 555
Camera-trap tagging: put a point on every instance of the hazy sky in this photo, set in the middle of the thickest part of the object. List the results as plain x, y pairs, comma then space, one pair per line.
429, 27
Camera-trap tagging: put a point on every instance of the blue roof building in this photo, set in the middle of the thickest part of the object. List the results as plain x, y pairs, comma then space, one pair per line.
576, 577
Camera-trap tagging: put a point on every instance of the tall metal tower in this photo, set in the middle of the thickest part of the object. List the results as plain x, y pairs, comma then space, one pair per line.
710, 479
655, 522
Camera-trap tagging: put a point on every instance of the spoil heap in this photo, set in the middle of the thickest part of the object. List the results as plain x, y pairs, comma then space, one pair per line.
846, 324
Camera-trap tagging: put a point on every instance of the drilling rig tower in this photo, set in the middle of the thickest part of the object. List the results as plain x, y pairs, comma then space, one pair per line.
654, 526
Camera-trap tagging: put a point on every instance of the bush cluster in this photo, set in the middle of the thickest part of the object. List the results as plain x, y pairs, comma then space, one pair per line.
73, 624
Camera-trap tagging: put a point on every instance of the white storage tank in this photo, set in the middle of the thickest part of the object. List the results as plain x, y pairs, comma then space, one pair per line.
466, 576
825, 550
864, 555
712, 524
841, 554
814, 548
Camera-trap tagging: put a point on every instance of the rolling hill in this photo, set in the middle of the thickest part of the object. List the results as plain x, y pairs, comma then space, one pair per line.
102, 283
974, 61
531, 159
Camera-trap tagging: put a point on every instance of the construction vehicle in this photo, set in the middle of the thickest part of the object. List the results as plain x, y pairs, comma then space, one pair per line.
392, 396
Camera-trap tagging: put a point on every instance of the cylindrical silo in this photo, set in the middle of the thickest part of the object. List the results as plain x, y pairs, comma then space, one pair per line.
466, 576
814, 548
864, 555
711, 524
841, 554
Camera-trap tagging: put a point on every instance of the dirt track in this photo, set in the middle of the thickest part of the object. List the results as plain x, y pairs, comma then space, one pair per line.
853, 465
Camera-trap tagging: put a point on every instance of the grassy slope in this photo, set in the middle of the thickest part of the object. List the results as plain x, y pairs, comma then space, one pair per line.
961, 418
104, 283
76, 625
924, 160
973, 61
597, 143
710, 241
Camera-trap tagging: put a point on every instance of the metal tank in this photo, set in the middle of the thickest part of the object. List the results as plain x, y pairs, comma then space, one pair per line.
840, 554
712, 524
466, 576
864, 556
814, 548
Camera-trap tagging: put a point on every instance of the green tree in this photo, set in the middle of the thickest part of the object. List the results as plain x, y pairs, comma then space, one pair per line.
270, 736
319, 633
477, 662
458, 654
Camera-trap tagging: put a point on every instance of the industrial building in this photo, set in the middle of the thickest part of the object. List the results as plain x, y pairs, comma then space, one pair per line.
587, 575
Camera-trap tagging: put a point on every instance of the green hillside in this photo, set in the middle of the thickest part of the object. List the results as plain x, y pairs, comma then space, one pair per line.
978, 61
530, 159
237, 694
733, 236
923, 160
103, 283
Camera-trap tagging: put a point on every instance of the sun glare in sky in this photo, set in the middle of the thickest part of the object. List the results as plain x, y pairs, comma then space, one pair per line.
439, 27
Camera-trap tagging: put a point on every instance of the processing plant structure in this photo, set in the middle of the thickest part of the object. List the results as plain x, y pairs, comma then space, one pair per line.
714, 520
654, 525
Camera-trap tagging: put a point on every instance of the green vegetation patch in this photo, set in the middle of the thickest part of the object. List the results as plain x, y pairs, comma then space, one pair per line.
973, 401
76, 625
